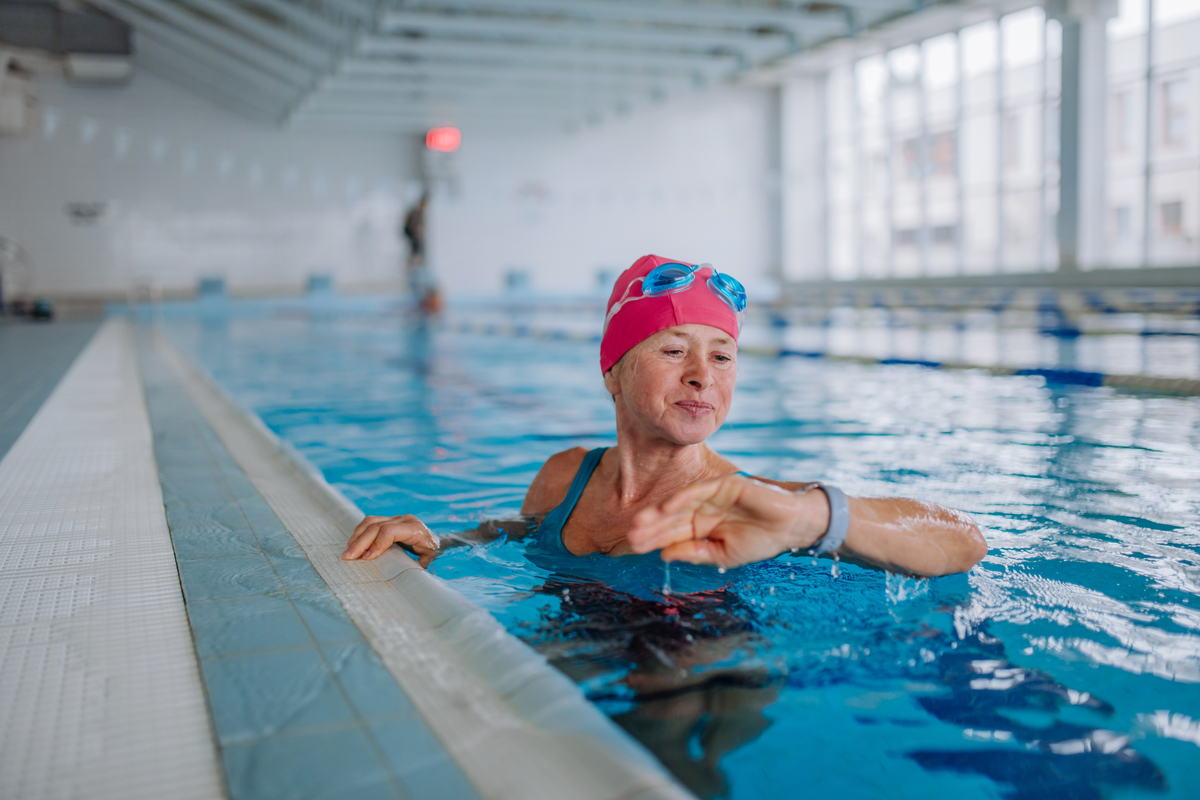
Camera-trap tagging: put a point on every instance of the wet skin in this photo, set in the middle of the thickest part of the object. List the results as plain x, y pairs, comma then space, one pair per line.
663, 488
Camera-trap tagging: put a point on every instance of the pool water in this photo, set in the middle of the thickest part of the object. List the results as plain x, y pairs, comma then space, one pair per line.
1065, 665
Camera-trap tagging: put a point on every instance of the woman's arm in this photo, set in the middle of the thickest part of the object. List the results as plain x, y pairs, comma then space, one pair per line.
409, 532
552, 482
374, 535
733, 520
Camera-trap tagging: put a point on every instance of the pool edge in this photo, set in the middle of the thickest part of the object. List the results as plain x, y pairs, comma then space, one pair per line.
516, 726
104, 696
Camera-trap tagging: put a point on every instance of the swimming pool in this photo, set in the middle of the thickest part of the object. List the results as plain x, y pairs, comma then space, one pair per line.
1065, 665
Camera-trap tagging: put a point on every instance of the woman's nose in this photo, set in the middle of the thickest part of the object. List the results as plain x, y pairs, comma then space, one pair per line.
698, 373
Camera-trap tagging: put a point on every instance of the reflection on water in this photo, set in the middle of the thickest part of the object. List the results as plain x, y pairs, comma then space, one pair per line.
1028, 747
1066, 664
691, 675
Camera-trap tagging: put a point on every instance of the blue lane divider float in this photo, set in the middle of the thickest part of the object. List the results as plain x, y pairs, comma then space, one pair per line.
1053, 376
1069, 377
916, 362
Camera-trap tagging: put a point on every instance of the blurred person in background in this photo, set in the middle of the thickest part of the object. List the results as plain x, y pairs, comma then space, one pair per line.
417, 272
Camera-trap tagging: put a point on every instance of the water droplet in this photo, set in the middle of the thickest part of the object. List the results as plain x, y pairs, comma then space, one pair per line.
835, 570
791, 576
721, 570
795, 550
667, 578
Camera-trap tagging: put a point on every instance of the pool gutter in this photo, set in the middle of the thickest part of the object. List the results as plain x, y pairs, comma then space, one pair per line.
518, 728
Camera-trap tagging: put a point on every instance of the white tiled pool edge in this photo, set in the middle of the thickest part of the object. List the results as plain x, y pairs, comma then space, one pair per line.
519, 729
100, 691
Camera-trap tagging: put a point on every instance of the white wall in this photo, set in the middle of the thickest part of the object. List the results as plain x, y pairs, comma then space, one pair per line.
689, 179
193, 190
802, 139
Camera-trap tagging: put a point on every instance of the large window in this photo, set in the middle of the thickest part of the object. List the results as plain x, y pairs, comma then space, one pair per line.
1153, 142
943, 153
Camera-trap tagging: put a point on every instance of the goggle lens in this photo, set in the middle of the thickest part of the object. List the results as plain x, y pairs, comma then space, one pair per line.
668, 278
730, 290
674, 277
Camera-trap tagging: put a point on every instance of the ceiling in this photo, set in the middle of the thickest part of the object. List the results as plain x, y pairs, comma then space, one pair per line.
391, 65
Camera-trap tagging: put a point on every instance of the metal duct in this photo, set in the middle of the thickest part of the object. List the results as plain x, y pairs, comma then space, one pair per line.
43, 25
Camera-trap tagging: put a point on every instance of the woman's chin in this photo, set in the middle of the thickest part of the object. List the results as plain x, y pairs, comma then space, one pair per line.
690, 434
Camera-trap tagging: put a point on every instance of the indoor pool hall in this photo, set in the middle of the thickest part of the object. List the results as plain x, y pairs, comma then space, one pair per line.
598, 399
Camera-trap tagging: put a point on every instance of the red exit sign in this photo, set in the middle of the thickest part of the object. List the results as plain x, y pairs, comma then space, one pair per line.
443, 140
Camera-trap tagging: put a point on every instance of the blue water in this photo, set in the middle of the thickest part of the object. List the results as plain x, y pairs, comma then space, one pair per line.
1065, 665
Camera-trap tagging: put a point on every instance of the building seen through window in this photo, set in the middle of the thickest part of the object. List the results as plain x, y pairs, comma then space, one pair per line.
1172, 218
1175, 116
942, 154
1124, 119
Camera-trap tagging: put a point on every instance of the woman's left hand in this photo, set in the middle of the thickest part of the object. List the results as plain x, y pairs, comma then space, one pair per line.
730, 521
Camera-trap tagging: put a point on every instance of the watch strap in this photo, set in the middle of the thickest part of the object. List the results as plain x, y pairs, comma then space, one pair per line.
839, 519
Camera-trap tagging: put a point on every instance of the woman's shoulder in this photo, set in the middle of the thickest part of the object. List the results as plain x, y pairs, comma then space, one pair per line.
790, 486
550, 486
723, 466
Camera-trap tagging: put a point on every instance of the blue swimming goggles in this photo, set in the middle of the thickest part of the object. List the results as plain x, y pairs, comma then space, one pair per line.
674, 277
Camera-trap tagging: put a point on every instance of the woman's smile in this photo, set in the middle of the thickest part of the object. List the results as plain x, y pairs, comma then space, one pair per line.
697, 408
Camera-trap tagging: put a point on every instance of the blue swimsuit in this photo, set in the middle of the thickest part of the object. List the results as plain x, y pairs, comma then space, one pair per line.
549, 533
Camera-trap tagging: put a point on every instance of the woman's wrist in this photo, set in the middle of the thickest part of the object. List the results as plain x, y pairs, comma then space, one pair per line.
812, 518
824, 519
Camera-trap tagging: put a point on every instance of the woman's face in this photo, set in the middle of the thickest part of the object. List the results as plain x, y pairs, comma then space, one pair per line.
677, 384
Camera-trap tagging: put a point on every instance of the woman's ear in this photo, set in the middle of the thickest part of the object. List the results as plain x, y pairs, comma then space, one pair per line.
612, 384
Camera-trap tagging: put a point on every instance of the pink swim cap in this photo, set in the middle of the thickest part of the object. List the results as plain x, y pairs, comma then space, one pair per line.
640, 317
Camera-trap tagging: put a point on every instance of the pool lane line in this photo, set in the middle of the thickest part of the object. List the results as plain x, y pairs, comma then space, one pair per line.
1069, 377
1053, 376
300, 705
100, 691
518, 728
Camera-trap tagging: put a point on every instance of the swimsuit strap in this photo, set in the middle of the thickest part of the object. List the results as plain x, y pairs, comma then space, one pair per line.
550, 531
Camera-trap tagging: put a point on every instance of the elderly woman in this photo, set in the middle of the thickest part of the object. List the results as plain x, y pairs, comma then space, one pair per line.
669, 360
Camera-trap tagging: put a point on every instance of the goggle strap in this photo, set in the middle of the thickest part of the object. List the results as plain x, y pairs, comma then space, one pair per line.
711, 284
624, 299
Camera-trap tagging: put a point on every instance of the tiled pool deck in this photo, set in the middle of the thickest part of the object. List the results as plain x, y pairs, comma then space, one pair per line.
100, 690
174, 621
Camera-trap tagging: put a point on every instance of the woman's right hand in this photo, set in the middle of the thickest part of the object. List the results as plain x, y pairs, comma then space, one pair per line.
374, 535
